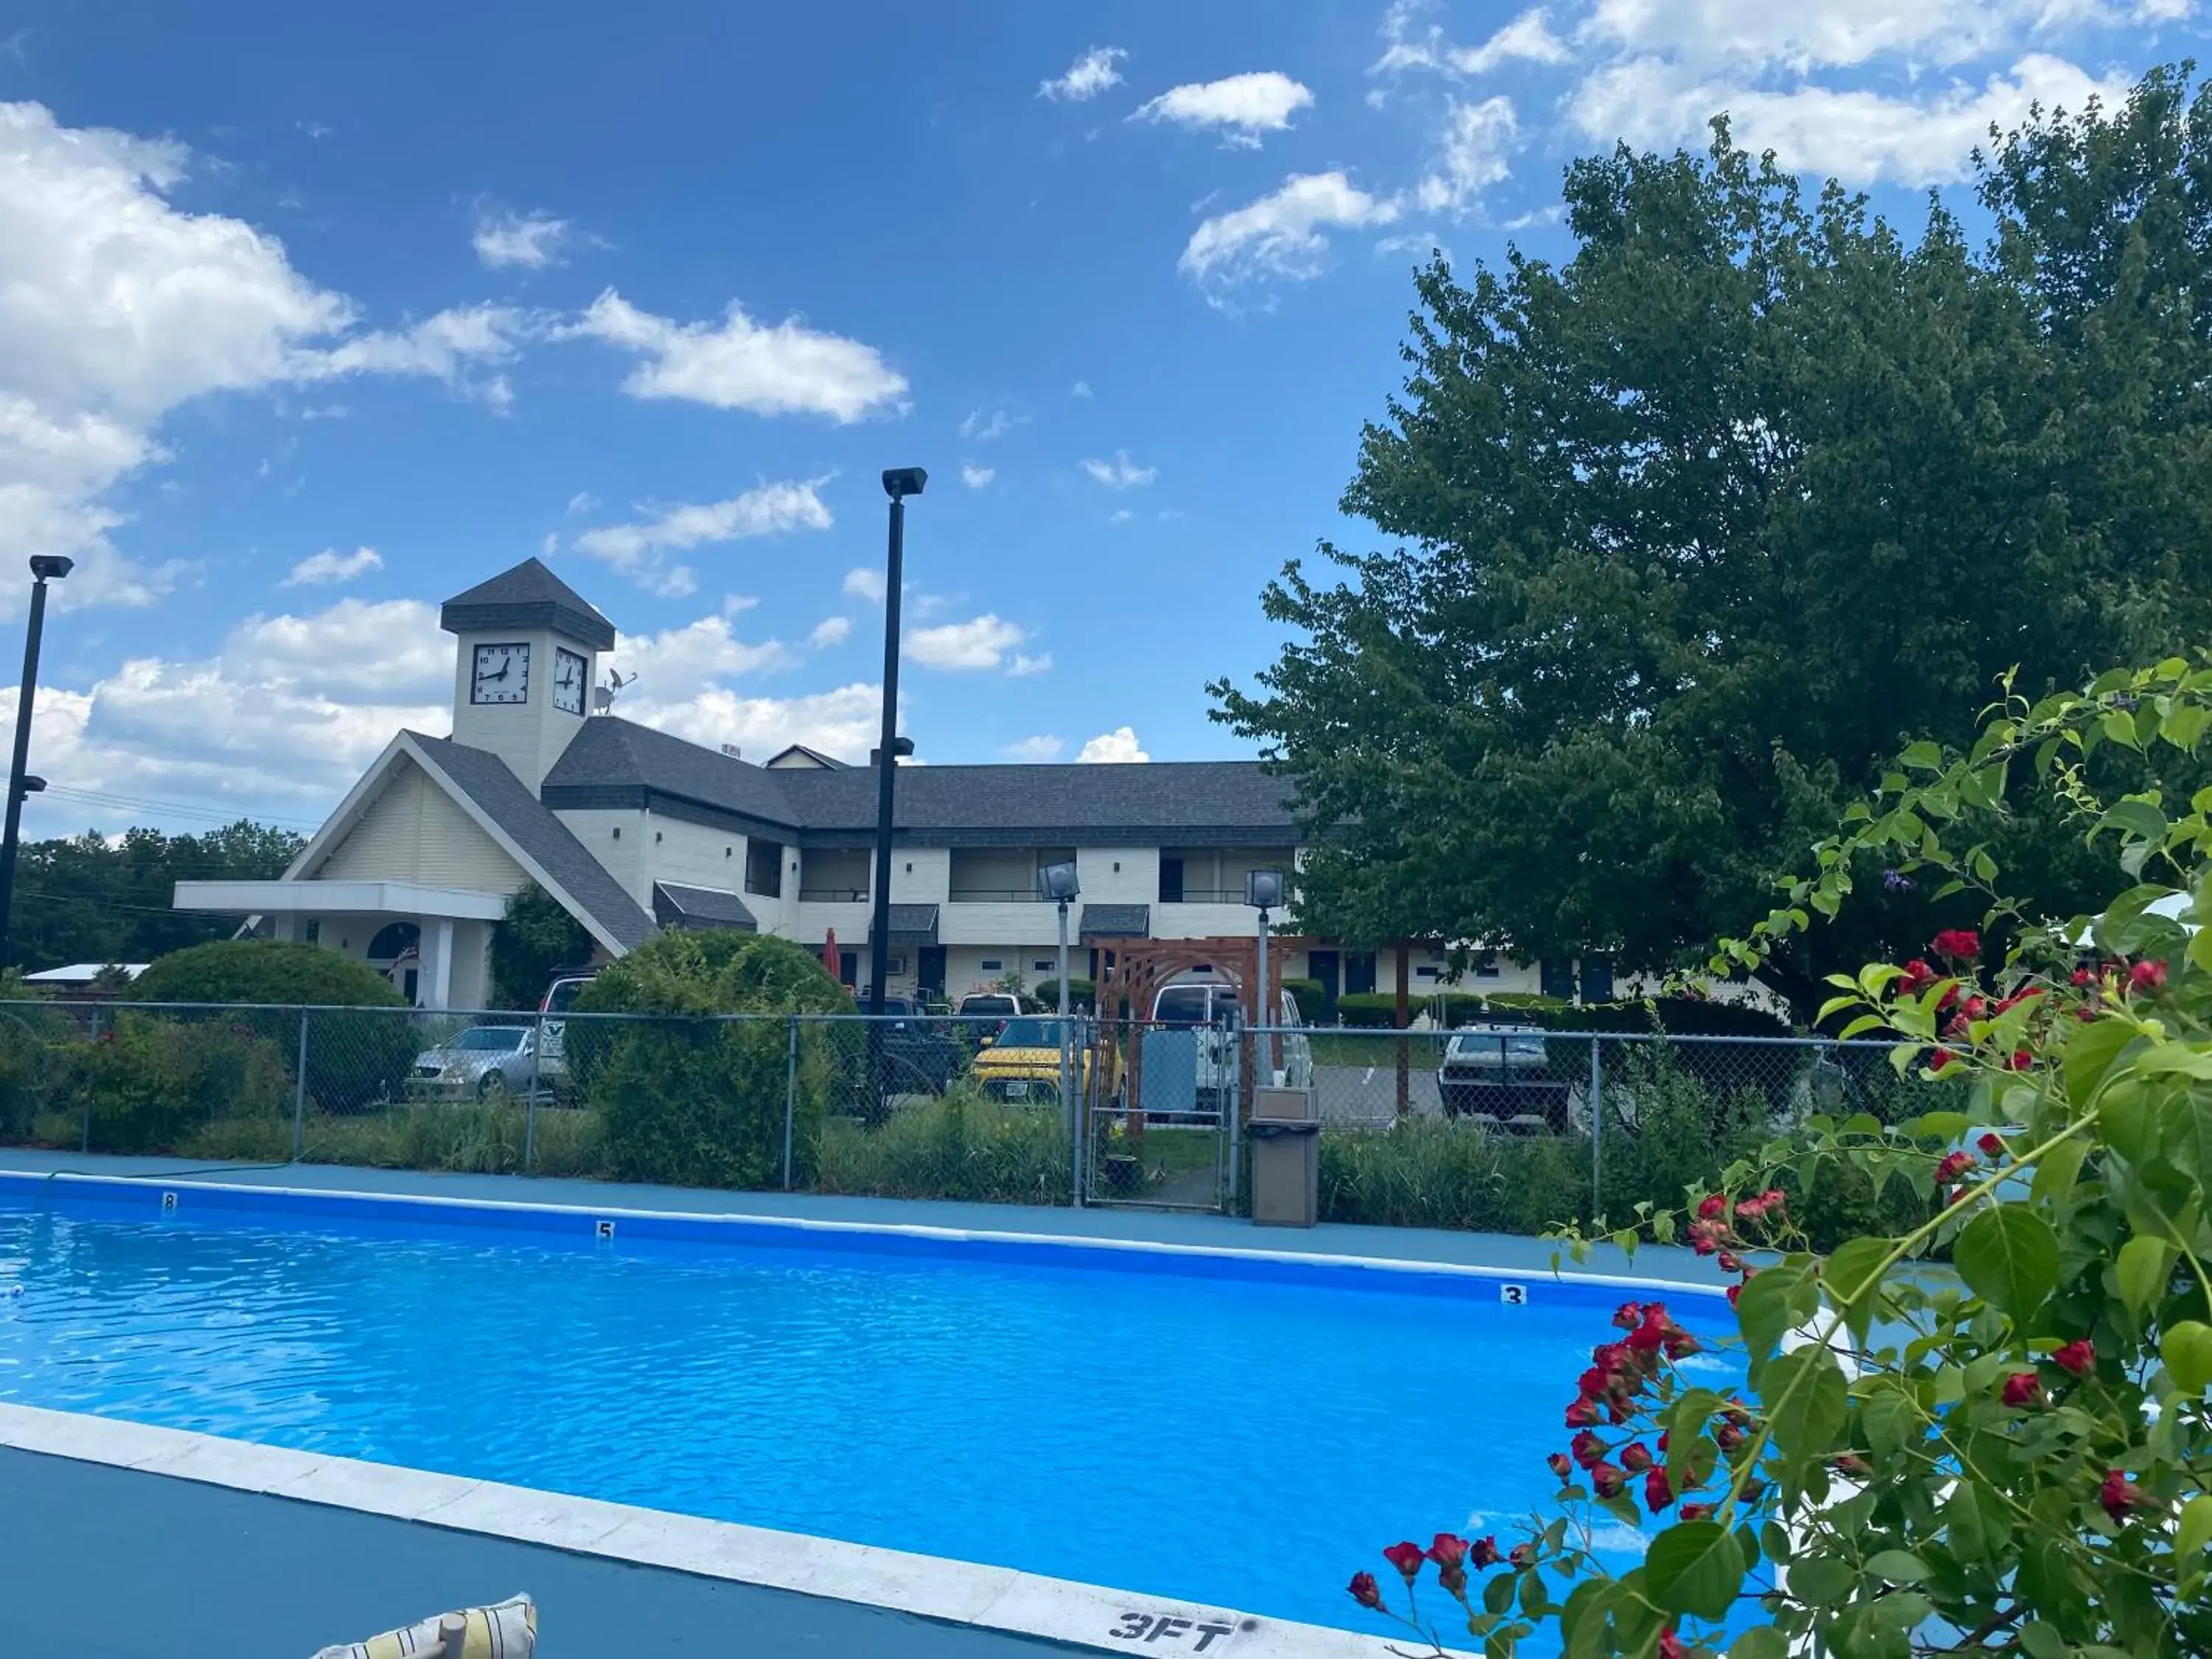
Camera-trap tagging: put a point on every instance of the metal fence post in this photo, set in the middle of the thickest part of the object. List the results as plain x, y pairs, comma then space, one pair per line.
1084, 1108
1596, 1119
790, 1090
86, 1146
529, 1099
300, 1094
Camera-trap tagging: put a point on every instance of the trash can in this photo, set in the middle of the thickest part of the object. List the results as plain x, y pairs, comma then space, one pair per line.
1285, 1137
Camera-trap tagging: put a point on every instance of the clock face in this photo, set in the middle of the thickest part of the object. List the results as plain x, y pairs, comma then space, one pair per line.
502, 674
569, 673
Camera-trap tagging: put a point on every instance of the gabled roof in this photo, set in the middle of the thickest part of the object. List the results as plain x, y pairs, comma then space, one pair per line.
615, 762
528, 596
536, 840
799, 753
676, 905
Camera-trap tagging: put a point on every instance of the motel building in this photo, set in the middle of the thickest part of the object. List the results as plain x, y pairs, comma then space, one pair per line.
633, 830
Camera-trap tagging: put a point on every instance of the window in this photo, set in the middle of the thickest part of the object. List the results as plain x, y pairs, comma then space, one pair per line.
1042, 965
1424, 973
1171, 881
1488, 968
314, 930
764, 867
894, 964
990, 965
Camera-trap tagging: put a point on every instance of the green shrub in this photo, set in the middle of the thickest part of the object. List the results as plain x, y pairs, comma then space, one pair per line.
1370, 1008
960, 1145
1309, 995
1082, 995
353, 1059
1379, 1009
1676, 1016
150, 1083
536, 937
35, 1046
1438, 1172
696, 1101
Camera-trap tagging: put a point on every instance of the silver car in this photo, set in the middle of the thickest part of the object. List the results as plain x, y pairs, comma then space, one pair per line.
485, 1062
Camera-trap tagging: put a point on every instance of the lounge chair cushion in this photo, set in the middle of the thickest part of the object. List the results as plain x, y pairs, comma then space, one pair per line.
505, 1630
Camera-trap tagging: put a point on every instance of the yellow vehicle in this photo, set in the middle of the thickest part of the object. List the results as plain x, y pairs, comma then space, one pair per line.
1022, 1064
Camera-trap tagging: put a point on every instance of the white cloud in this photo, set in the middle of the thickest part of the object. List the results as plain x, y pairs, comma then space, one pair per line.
865, 583
976, 427
1087, 77
330, 566
1246, 105
681, 663
1120, 515
1470, 154
582, 501
785, 368
1280, 234
279, 723
116, 308
529, 239
963, 647
1120, 746
1080, 389
1528, 37
1758, 34
737, 603
640, 551
1024, 667
1120, 472
843, 722
1039, 748
549, 544
976, 476
830, 630
1860, 136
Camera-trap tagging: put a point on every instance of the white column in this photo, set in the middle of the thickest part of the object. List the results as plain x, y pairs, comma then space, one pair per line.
438, 969
284, 924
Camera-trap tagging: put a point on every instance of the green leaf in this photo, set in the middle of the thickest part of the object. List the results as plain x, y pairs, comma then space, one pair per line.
1807, 1402
1779, 1300
2143, 1269
2089, 1054
2194, 1534
1498, 1594
2187, 1349
1889, 1420
2040, 1641
1759, 1641
1897, 1567
1851, 1278
2057, 1170
1695, 1567
2009, 1257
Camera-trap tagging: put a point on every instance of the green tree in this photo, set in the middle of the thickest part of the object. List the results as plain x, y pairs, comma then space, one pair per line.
1699, 527
536, 936
89, 899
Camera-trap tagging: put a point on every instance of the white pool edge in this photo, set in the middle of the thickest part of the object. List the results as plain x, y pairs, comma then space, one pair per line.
896, 1229
935, 1588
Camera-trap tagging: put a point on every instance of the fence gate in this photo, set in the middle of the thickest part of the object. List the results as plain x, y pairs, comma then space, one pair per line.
1159, 1117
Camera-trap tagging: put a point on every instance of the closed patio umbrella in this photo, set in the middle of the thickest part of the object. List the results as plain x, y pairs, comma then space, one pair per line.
829, 958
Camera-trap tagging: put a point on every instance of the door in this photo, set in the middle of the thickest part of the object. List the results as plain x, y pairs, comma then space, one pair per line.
1359, 974
1597, 979
1323, 965
929, 971
1558, 980
849, 967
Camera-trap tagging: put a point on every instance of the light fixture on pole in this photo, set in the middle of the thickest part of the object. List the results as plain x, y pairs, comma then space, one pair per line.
1263, 891
45, 567
1058, 883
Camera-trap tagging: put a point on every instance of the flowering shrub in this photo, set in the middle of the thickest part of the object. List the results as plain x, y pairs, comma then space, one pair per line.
1986, 1433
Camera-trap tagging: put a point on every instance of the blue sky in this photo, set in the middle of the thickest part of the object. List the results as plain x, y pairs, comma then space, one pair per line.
308, 319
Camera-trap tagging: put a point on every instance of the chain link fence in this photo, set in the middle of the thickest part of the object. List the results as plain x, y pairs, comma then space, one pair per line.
1504, 1130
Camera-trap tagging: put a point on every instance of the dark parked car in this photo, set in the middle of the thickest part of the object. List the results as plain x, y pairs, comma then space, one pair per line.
1502, 1073
921, 1055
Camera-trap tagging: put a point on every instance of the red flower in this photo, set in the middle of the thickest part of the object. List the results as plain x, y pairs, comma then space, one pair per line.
1733, 1292
1454, 1579
1713, 1207
1852, 1464
1627, 1314
1657, 1493
1483, 1552
1670, 1646
1608, 1480
1583, 1413
1697, 1511
1634, 1458
1957, 944
1561, 1465
1954, 1165
1728, 1435
1940, 1059
2076, 1357
1730, 1262
1917, 978
1679, 1343
1522, 1556
1652, 1335
1662, 1443
1992, 1146
1406, 1557
2082, 977
1365, 1591
1589, 1450
1448, 1550
2119, 1494
2146, 976
2020, 1061
2023, 1389
1706, 1237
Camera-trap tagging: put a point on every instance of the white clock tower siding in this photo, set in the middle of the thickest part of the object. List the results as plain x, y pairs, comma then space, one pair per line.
528, 659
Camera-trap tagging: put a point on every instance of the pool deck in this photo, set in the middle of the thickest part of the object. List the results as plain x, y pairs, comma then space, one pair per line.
1407, 1244
131, 1540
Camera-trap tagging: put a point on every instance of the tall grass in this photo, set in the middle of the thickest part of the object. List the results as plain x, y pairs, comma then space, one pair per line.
960, 1145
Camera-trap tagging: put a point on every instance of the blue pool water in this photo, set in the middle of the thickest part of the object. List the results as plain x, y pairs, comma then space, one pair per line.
1227, 1440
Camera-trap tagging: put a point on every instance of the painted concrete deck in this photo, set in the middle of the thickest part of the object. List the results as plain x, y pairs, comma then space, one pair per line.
134, 1565
1532, 1255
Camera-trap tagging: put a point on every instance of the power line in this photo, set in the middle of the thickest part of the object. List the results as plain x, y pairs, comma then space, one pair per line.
105, 798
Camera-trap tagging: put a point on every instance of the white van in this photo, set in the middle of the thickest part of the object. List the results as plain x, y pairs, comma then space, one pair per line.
1190, 1048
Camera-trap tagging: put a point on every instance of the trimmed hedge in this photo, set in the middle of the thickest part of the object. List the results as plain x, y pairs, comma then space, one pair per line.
1082, 995
1379, 1009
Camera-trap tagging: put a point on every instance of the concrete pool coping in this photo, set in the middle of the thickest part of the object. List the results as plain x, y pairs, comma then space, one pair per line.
938, 1589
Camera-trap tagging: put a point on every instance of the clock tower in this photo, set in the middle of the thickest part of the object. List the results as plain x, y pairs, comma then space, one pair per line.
529, 654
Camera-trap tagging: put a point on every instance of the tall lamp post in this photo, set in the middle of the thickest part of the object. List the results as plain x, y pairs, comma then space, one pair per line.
1058, 883
899, 483
1263, 891
45, 567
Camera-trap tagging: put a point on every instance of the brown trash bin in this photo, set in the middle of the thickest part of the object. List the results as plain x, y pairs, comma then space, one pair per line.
1285, 1139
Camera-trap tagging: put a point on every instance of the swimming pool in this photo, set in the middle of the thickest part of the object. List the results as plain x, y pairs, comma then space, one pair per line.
1217, 1429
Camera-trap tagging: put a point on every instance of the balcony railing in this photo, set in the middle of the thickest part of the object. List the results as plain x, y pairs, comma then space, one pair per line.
832, 895
1205, 896
996, 896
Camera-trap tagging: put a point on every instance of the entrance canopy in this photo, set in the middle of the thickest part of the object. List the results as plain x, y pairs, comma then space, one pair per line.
285, 898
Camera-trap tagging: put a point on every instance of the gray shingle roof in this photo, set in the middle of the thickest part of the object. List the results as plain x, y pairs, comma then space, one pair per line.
1116, 921
485, 778
617, 763
528, 596
675, 905
911, 924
